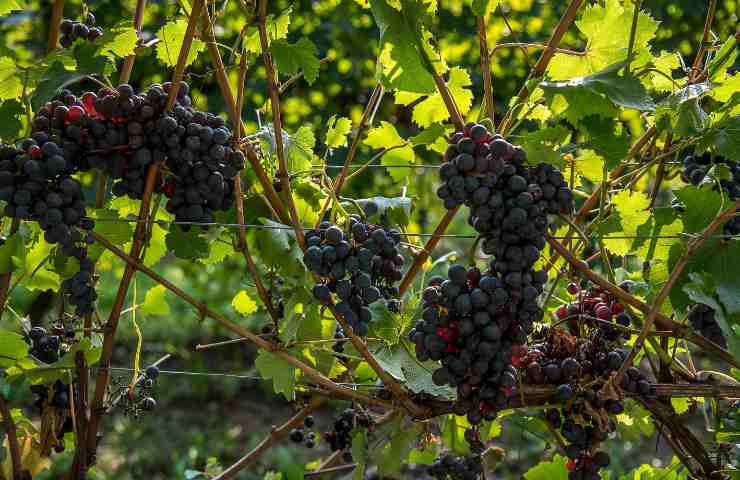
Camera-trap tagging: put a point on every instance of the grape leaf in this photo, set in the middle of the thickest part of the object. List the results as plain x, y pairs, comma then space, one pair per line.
607, 138
53, 79
12, 253
674, 471
624, 90
359, 452
404, 437
7, 6
552, 470
299, 56
723, 60
589, 165
281, 373
118, 41
12, 348
277, 28
299, 147
606, 27
430, 135
43, 278
433, 109
398, 159
157, 246
339, 128
187, 245
725, 136
384, 136
724, 92
543, 145
171, 36
400, 62
155, 302
277, 247
402, 365
11, 86
243, 303
578, 104
12, 112
481, 8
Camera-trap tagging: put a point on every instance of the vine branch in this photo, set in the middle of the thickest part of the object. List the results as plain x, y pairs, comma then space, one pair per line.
485, 66
128, 63
12, 434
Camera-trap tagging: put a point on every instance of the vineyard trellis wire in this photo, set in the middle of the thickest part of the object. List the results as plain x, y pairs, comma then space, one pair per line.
283, 205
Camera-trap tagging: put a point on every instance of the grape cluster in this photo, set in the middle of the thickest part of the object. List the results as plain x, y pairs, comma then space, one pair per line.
72, 30
140, 400
701, 318
360, 267
596, 308
695, 169
475, 324
304, 434
340, 437
49, 347
451, 467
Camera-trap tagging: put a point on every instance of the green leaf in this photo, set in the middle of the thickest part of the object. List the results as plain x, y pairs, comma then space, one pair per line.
433, 109
51, 80
606, 26
430, 135
171, 37
295, 57
12, 253
544, 145
398, 159
400, 62
187, 245
7, 6
12, 348
725, 137
11, 111
674, 471
155, 302
11, 86
553, 470
624, 90
384, 136
277, 28
482, 8
281, 373
278, 248
300, 146
608, 138
359, 452
243, 303
578, 104
404, 437
590, 165
402, 365
118, 41
724, 59
339, 128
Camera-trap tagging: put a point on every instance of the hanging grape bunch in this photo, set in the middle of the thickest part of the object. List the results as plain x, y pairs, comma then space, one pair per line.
702, 319
340, 437
475, 324
53, 404
695, 170
139, 400
72, 30
359, 267
304, 434
450, 467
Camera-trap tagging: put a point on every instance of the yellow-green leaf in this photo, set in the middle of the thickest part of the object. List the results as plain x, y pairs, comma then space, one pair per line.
171, 37
10, 83
339, 128
384, 136
155, 302
243, 303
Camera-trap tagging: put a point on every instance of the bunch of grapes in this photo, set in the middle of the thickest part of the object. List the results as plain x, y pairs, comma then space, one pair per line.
595, 308
359, 267
701, 318
135, 402
72, 30
450, 467
340, 437
301, 435
475, 324
695, 169
584, 438
49, 347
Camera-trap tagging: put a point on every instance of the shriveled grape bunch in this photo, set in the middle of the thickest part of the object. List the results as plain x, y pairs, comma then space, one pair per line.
339, 437
580, 365
359, 267
72, 30
702, 319
695, 170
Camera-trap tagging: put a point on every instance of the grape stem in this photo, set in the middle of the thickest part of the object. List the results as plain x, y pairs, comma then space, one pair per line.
5, 277
272, 438
128, 63
276, 120
57, 10
12, 434
676, 272
485, 66
696, 68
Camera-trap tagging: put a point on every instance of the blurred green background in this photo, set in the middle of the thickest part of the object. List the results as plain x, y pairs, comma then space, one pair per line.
221, 417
